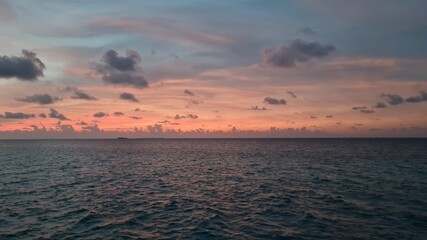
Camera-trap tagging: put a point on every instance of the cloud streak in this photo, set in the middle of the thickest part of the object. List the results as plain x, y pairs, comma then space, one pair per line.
41, 99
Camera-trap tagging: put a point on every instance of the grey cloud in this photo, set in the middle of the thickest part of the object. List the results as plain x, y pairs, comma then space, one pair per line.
136, 118
17, 115
274, 101
118, 70
78, 94
188, 92
367, 111
99, 114
380, 105
42, 115
191, 116
82, 95
292, 94
359, 108
118, 114
128, 97
126, 79
26, 68
40, 99
127, 63
55, 114
329, 116
417, 99
392, 99
307, 31
297, 51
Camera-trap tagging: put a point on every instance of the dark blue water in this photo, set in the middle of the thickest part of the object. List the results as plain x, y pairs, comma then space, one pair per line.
214, 189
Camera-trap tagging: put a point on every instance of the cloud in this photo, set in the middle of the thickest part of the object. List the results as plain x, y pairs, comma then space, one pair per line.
292, 94
392, 99
363, 109
190, 116
82, 95
42, 115
136, 118
359, 108
26, 68
118, 114
55, 114
17, 115
127, 63
307, 31
118, 70
367, 111
42, 99
188, 92
78, 94
259, 108
99, 114
274, 101
329, 116
417, 99
296, 51
128, 97
380, 105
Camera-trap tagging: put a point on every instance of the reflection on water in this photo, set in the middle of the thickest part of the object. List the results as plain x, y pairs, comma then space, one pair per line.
214, 189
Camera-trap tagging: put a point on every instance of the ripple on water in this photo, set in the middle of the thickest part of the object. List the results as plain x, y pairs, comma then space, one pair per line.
214, 189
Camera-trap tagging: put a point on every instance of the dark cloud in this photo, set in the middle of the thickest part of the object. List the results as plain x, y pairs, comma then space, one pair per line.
127, 63
82, 95
40, 99
136, 118
99, 114
307, 31
17, 115
191, 116
274, 101
188, 92
118, 114
292, 94
78, 94
329, 116
363, 109
26, 68
118, 70
392, 99
296, 51
259, 108
55, 114
367, 111
380, 105
82, 123
126, 79
359, 108
128, 97
417, 99
179, 117
42, 115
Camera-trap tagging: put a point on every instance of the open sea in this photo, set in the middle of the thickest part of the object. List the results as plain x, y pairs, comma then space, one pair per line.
213, 189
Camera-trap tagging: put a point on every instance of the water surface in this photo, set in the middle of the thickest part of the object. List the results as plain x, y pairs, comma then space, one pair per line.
214, 189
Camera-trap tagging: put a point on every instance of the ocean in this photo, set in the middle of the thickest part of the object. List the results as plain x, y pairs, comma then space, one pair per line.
213, 189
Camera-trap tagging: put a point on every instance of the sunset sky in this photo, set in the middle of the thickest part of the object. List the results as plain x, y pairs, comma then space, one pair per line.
209, 68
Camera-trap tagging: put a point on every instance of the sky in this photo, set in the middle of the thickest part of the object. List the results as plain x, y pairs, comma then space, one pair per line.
210, 68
